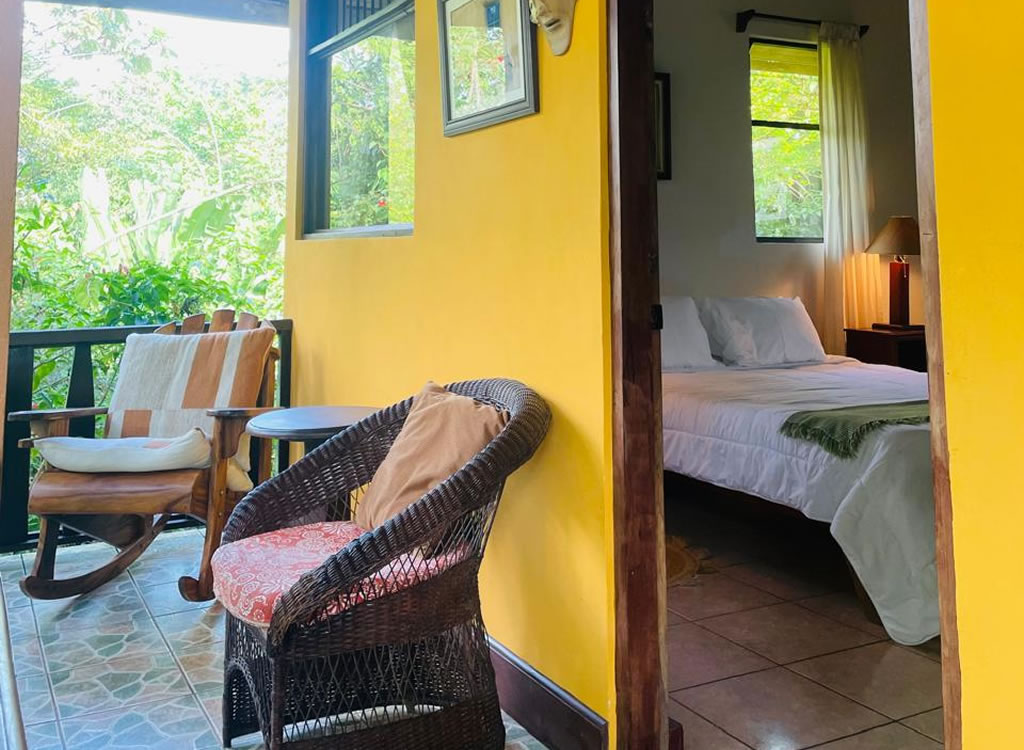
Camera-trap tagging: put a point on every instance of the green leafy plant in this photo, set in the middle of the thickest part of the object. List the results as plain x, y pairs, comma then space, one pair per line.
143, 194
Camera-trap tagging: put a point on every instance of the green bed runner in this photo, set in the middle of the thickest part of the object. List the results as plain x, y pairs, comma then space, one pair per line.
841, 431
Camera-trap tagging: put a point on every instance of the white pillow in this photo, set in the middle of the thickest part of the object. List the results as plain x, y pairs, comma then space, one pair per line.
760, 331
136, 454
684, 342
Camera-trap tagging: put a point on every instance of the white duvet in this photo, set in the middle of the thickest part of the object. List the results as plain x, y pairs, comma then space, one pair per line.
722, 426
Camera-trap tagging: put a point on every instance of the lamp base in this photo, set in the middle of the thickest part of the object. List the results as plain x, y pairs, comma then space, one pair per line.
899, 293
897, 326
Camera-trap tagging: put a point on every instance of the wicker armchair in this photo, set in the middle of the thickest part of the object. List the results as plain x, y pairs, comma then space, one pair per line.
344, 665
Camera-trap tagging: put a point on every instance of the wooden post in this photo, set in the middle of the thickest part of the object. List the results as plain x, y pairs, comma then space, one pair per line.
12, 12
640, 668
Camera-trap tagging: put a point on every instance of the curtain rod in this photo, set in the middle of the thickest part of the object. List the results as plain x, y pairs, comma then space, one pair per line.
744, 18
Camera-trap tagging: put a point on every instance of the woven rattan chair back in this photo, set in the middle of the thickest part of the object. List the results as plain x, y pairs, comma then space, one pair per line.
343, 665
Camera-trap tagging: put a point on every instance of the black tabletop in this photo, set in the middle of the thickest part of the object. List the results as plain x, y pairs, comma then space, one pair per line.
306, 422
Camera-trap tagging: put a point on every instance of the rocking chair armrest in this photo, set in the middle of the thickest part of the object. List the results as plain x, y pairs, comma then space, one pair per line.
45, 423
56, 415
229, 426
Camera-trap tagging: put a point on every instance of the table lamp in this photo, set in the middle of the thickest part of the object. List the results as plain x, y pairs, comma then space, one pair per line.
900, 238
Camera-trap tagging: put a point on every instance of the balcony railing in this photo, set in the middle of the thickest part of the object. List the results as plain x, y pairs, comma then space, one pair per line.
16, 475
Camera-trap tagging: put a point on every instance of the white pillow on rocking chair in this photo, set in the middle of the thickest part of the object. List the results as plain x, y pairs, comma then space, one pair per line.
136, 454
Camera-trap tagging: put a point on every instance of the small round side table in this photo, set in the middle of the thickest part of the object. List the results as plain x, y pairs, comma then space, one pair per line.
310, 425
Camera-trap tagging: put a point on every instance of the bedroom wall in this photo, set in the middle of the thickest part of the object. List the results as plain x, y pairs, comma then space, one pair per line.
706, 211
505, 274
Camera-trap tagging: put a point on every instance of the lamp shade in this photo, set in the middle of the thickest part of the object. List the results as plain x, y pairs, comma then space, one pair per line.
899, 236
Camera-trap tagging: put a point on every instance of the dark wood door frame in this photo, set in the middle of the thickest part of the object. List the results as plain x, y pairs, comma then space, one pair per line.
640, 675
951, 690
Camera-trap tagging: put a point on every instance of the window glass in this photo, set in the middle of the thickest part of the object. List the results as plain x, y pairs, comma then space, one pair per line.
787, 183
372, 129
784, 108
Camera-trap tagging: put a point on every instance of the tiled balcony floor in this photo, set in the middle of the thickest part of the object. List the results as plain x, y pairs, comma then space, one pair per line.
131, 665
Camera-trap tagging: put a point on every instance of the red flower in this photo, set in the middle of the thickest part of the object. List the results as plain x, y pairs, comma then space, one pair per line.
382, 202
501, 58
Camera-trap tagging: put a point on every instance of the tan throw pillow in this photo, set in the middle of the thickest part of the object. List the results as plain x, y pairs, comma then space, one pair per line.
441, 433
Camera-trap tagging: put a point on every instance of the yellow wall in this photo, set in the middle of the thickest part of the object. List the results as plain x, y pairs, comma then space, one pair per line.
504, 275
979, 160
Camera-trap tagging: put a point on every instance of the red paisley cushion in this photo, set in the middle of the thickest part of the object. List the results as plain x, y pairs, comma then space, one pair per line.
250, 575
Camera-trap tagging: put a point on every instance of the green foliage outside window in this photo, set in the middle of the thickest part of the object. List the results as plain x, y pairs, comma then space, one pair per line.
372, 129
144, 193
787, 160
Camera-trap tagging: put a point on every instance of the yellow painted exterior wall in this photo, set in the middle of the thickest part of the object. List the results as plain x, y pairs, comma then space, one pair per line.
505, 274
979, 160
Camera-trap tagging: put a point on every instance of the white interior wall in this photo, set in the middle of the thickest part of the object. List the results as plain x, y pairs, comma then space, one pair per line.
706, 212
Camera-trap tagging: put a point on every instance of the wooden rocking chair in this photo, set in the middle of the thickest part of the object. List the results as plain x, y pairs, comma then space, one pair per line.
119, 508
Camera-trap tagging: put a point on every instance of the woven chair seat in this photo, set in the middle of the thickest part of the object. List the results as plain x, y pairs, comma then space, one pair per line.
250, 575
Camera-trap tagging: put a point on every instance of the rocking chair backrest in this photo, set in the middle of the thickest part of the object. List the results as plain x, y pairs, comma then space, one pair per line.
167, 382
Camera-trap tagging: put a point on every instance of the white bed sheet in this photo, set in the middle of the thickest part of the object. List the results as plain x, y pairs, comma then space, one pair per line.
722, 426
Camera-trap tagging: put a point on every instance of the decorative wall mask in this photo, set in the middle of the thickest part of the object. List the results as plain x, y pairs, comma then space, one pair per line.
554, 17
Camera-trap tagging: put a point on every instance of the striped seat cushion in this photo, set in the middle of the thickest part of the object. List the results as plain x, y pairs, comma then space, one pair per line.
166, 384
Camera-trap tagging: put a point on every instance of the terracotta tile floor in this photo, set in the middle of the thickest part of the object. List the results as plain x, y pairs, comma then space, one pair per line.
771, 651
131, 665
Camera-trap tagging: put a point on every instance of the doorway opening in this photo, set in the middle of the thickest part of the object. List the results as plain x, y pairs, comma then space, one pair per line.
777, 591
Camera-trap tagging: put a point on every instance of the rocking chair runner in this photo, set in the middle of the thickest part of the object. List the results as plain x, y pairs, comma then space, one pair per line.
119, 508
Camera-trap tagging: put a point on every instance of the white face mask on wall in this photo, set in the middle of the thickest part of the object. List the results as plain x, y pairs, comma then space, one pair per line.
554, 17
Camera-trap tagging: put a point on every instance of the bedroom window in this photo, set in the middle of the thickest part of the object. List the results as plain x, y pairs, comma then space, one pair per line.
360, 96
786, 141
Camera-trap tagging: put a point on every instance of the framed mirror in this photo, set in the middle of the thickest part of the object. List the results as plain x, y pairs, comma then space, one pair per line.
488, 63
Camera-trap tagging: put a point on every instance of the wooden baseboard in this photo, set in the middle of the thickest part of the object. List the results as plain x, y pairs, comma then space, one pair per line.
675, 734
545, 710
548, 712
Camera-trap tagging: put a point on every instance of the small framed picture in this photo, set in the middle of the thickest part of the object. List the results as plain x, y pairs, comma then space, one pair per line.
663, 126
488, 63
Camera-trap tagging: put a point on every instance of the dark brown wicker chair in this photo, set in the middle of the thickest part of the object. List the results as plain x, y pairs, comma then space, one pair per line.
342, 666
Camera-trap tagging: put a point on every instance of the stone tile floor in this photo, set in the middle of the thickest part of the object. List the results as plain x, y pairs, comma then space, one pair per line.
772, 651
131, 665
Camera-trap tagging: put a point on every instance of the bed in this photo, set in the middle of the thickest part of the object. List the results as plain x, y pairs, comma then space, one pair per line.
721, 426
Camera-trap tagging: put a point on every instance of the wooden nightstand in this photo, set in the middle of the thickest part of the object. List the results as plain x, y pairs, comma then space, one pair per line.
884, 347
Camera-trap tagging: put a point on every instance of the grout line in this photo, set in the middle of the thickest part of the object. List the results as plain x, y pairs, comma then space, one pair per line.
915, 729
177, 661
725, 614
127, 707
770, 667
702, 626
788, 600
46, 667
848, 736
709, 721
786, 665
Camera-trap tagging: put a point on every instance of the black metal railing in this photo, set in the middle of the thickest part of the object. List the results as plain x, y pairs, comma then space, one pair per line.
16, 469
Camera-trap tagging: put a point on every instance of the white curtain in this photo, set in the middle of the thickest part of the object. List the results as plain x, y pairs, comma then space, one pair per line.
852, 279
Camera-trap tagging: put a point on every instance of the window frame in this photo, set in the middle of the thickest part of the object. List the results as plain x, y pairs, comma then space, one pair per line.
321, 45
782, 125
